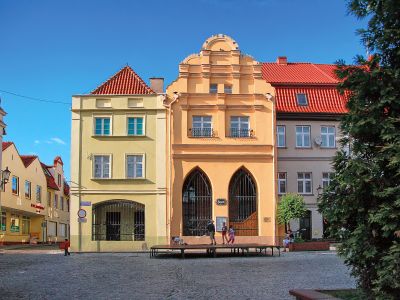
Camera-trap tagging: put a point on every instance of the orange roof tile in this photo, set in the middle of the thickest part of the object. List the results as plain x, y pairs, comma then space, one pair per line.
28, 159
124, 82
299, 73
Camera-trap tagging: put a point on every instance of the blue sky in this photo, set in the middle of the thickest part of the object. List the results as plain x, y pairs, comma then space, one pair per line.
55, 49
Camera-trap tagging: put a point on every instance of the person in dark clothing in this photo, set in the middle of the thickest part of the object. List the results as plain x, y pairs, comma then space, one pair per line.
211, 231
66, 246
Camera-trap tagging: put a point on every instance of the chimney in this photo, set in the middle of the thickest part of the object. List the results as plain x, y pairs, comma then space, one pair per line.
157, 84
281, 60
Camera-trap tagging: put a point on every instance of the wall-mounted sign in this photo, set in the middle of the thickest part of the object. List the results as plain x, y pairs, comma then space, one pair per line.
267, 219
86, 203
81, 213
37, 206
221, 201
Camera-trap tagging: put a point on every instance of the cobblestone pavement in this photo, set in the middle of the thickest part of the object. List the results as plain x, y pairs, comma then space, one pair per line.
136, 276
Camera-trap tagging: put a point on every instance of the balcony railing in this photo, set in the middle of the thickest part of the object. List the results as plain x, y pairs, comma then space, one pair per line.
201, 132
241, 133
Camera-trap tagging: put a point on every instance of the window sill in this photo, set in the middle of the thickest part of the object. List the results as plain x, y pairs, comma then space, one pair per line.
281, 147
119, 136
241, 137
303, 148
119, 179
306, 194
328, 148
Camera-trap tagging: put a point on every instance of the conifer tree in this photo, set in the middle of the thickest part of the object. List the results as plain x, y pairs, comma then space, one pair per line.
362, 204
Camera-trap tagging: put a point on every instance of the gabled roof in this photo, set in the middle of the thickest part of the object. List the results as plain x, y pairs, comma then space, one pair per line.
5, 145
124, 82
28, 159
299, 73
49, 178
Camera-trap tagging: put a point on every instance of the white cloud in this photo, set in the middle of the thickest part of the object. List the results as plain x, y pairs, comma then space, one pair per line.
37, 142
58, 141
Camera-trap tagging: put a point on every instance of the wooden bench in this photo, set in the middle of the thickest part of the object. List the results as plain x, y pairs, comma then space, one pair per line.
244, 249
301, 294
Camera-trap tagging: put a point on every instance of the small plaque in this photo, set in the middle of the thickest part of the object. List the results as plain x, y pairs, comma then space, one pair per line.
86, 203
221, 201
267, 219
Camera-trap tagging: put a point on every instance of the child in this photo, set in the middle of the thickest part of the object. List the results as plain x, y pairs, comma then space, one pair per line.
224, 230
231, 235
66, 246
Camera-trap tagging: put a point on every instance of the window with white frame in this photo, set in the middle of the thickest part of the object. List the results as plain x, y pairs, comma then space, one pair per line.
301, 99
135, 126
134, 166
62, 203
227, 89
326, 179
281, 136
328, 136
101, 166
303, 136
201, 126
15, 185
55, 201
213, 88
49, 199
304, 183
240, 127
59, 180
27, 189
38, 194
102, 125
281, 183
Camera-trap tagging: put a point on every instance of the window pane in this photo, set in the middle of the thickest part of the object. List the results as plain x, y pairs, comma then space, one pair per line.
324, 129
300, 186
306, 140
331, 141
308, 186
299, 140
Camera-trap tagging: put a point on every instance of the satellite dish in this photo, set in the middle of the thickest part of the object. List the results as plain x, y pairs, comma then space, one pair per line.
318, 140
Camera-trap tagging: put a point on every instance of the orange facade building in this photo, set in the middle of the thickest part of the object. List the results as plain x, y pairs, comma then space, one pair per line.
221, 146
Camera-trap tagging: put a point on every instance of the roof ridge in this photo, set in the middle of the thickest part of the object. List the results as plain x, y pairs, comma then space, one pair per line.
324, 73
118, 73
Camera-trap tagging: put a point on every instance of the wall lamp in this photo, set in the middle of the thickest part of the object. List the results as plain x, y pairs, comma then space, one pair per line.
5, 176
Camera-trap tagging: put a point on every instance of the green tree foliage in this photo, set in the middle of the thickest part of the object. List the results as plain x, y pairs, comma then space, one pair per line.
362, 204
291, 206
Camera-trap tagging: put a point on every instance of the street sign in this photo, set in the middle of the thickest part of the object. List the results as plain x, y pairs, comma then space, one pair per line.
82, 220
81, 213
86, 203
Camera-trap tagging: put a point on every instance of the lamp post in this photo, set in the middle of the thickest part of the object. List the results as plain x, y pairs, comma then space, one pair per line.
319, 190
5, 176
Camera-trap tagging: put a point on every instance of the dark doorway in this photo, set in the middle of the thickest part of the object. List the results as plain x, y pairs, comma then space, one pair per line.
113, 226
243, 204
305, 226
139, 226
196, 203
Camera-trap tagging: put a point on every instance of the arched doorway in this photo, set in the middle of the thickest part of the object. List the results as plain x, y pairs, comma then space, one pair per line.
243, 204
118, 220
196, 203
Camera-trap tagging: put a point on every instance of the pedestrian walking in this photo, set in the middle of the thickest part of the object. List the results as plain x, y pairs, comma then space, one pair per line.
211, 231
66, 246
224, 231
231, 235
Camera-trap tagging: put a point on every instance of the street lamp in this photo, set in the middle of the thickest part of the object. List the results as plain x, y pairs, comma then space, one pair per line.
5, 176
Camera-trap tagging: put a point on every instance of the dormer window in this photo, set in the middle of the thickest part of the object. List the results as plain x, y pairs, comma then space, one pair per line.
302, 99
213, 88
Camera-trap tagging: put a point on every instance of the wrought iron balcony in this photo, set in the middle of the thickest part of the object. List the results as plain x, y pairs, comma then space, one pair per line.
201, 132
241, 133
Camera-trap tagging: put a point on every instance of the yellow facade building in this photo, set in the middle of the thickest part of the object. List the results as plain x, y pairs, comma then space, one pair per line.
118, 166
221, 146
26, 214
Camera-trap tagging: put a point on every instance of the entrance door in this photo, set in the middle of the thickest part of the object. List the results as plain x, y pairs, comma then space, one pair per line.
305, 226
113, 226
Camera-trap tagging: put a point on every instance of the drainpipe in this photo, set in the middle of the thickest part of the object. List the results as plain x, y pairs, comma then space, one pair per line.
169, 207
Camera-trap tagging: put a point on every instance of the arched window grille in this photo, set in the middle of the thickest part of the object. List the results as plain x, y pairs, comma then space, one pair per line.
118, 220
243, 204
196, 203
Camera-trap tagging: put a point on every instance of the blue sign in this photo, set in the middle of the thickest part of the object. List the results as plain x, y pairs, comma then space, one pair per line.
86, 203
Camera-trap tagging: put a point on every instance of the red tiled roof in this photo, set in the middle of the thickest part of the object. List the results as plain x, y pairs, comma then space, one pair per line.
322, 99
5, 145
317, 81
27, 159
49, 178
299, 73
124, 82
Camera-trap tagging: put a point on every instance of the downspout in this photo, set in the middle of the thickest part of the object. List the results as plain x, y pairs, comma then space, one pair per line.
169, 207
80, 173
